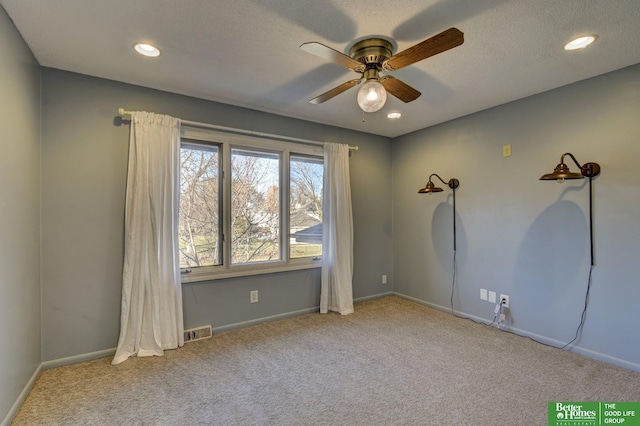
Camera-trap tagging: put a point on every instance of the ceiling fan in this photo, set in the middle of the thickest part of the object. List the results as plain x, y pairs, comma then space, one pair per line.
371, 56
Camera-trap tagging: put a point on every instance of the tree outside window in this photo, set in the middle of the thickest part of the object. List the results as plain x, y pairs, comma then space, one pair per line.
233, 205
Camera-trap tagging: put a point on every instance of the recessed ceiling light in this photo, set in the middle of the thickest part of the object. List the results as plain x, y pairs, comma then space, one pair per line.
580, 42
394, 115
146, 49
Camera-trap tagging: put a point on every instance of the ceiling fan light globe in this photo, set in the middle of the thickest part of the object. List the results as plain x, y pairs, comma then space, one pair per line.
372, 96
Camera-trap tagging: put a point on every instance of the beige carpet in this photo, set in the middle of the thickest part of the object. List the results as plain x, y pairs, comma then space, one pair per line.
392, 362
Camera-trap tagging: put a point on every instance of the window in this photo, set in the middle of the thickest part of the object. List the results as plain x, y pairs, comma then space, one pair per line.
248, 205
199, 233
305, 206
255, 206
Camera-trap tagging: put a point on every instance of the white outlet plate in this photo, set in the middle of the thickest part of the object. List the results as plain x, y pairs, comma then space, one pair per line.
492, 296
506, 297
254, 296
483, 294
384, 279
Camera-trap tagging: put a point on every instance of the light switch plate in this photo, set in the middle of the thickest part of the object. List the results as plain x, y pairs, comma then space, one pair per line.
483, 294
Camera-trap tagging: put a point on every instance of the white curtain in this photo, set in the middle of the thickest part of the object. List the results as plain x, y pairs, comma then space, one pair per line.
336, 292
151, 310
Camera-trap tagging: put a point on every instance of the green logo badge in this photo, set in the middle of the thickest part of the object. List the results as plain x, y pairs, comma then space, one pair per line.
594, 413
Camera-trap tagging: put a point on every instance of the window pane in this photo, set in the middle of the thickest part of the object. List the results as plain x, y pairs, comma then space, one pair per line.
255, 206
199, 231
305, 221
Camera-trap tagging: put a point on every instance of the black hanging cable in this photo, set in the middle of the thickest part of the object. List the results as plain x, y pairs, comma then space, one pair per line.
453, 184
591, 213
454, 223
586, 297
584, 310
453, 282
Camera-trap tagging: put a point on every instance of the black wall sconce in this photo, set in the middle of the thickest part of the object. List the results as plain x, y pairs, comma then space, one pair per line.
560, 174
428, 189
453, 183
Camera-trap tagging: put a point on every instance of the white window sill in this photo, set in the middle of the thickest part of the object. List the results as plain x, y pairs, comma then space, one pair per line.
220, 272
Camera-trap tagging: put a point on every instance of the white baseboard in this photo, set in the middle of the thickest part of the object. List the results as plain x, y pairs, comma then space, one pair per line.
542, 339
375, 296
77, 358
257, 321
285, 315
23, 395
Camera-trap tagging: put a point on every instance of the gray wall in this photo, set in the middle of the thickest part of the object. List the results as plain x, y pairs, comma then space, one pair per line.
84, 160
19, 216
524, 237
61, 222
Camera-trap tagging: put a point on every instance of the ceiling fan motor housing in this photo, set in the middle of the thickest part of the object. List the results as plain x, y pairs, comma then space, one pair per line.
372, 52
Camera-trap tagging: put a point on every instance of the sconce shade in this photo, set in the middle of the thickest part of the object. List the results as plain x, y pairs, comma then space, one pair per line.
453, 183
429, 189
561, 172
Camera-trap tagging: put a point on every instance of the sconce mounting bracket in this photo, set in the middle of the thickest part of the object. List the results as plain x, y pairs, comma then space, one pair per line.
590, 170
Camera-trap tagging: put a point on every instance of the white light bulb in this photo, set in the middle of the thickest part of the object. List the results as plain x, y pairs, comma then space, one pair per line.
372, 96
560, 180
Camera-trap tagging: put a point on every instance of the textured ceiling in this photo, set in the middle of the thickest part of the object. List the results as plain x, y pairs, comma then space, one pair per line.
246, 52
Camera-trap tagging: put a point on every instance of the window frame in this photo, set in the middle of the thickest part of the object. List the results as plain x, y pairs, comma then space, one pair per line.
299, 156
230, 213
226, 142
207, 145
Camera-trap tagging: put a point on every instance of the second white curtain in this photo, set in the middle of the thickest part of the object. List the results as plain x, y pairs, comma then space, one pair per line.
336, 293
151, 309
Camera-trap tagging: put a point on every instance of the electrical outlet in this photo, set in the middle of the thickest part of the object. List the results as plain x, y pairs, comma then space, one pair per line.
492, 296
504, 297
506, 150
384, 279
483, 294
254, 296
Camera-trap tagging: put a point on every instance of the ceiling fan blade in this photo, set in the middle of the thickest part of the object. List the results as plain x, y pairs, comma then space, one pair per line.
439, 43
399, 89
334, 92
332, 55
